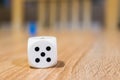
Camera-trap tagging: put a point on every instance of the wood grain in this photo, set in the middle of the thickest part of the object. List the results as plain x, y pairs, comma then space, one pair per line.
81, 56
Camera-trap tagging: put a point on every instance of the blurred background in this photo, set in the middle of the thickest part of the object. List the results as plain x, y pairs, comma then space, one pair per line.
60, 14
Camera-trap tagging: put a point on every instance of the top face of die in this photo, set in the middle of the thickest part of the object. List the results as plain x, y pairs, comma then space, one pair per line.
42, 52
42, 38
49, 38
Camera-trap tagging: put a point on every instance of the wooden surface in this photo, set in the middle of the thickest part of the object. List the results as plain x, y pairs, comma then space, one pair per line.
81, 56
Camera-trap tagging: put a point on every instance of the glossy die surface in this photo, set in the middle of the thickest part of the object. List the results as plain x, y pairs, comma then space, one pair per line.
42, 51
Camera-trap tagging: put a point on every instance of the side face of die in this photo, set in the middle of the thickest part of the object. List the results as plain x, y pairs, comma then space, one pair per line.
42, 52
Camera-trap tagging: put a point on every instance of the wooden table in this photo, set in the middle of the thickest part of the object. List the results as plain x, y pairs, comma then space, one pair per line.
81, 56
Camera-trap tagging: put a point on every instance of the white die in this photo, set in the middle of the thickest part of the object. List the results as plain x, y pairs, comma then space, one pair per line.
42, 51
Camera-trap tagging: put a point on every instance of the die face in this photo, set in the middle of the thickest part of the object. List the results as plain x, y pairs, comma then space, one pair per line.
42, 54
